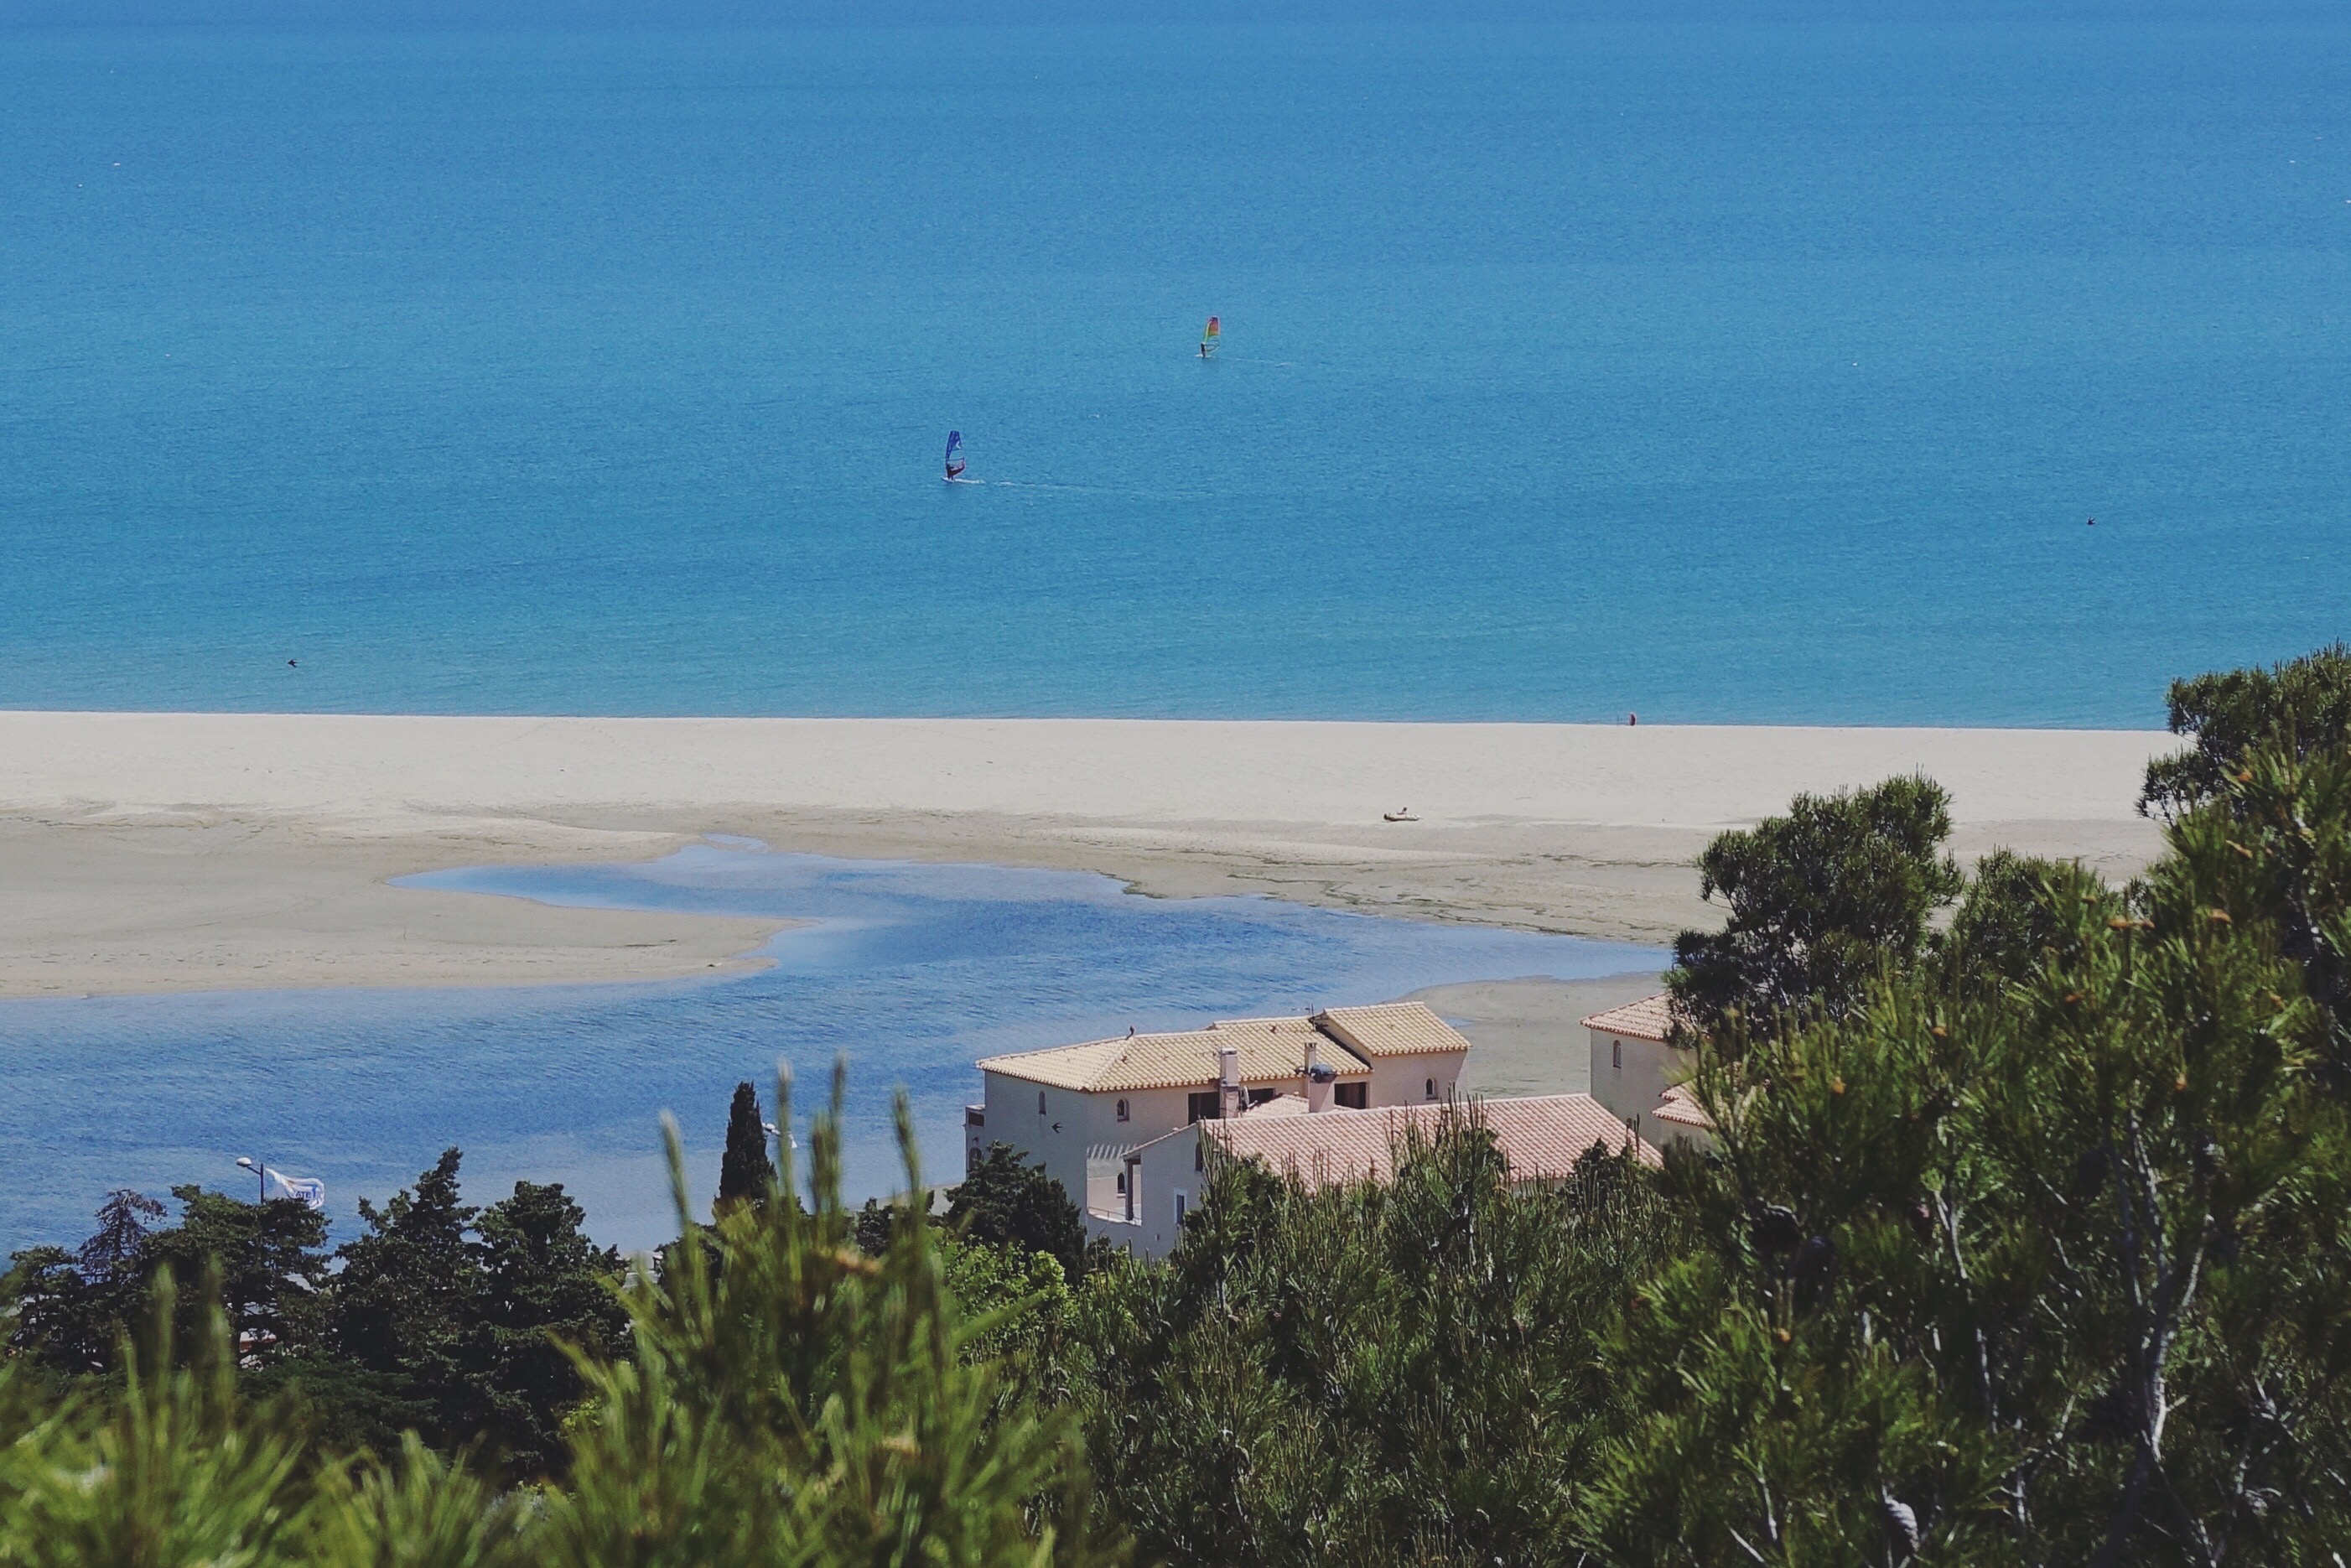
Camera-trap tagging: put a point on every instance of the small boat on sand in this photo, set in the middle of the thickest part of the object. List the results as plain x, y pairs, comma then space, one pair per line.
1401, 814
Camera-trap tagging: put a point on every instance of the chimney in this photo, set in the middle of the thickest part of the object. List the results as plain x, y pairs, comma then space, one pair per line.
1229, 1080
1318, 1080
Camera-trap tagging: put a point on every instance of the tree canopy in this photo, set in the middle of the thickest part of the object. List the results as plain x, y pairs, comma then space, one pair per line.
1819, 902
2296, 709
1006, 1202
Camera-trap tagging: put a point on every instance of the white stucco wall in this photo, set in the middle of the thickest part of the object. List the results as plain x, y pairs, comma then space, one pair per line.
1169, 1166
1404, 1080
1078, 1138
1631, 1086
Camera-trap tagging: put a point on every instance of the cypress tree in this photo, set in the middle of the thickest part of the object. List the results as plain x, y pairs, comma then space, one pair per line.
745, 1172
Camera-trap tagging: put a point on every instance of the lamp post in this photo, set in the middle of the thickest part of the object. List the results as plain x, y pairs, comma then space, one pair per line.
260, 1174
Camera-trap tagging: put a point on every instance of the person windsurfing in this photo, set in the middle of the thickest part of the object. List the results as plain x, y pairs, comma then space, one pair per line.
1209, 341
955, 455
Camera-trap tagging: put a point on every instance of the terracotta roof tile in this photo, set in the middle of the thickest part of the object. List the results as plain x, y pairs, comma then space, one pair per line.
1680, 1107
1651, 1018
1539, 1138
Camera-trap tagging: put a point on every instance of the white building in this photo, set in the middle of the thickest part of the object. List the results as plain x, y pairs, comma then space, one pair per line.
1080, 1110
1539, 1138
1637, 1071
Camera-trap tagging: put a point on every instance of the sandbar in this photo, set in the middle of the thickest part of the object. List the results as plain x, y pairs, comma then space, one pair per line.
182, 852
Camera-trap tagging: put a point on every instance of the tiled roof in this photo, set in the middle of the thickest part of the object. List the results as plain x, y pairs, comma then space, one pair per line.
1186, 1061
1681, 1108
1541, 1138
1392, 1029
1651, 1018
1271, 1050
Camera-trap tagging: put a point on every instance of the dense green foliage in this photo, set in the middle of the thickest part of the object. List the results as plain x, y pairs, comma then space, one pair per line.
798, 1404
1006, 1202
1820, 901
2023, 1237
442, 1319
2299, 708
1410, 1375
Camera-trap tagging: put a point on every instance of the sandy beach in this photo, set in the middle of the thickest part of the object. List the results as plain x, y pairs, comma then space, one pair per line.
180, 852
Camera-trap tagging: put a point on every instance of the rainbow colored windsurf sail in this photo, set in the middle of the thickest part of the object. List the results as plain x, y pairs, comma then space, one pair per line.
1208, 340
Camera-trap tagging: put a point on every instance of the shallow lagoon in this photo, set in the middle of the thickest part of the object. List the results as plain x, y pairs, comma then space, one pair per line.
910, 971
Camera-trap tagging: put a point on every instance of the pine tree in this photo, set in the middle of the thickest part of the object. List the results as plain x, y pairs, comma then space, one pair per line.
407, 1299
546, 1298
745, 1172
1006, 1202
1820, 901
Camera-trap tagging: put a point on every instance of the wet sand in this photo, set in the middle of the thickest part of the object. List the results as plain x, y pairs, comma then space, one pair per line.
180, 852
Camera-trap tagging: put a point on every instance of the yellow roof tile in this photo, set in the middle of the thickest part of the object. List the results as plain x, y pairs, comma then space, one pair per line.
1391, 1028
1185, 1060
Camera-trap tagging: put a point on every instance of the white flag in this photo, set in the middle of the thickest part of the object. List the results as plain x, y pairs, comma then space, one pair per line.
309, 1189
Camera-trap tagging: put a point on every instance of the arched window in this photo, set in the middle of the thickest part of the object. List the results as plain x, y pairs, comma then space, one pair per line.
1122, 1110
1122, 1184
1431, 1090
1616, 1052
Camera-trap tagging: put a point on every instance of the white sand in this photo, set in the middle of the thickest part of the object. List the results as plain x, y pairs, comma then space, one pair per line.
176, 852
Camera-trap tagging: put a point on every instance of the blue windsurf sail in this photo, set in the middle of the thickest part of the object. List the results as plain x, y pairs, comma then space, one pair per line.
955, 453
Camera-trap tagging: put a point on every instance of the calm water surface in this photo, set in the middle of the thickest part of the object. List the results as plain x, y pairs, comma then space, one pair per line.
1726, 372
910, 971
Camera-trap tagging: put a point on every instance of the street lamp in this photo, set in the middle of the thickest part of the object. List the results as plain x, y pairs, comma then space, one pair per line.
260, 1176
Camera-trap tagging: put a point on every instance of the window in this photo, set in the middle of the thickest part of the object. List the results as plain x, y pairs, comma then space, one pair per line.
1122, 1184
1205, 1106
1183, 1205
1259, 1096
1041, 1101
1122, 1110
1353, 1096
1430, 1091
1616, 1053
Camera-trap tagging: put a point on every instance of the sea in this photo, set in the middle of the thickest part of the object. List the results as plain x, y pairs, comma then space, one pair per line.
1723, 366
1941, 363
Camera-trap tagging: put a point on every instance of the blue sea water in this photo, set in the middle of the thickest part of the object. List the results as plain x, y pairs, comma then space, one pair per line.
910, 972
1718, 369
